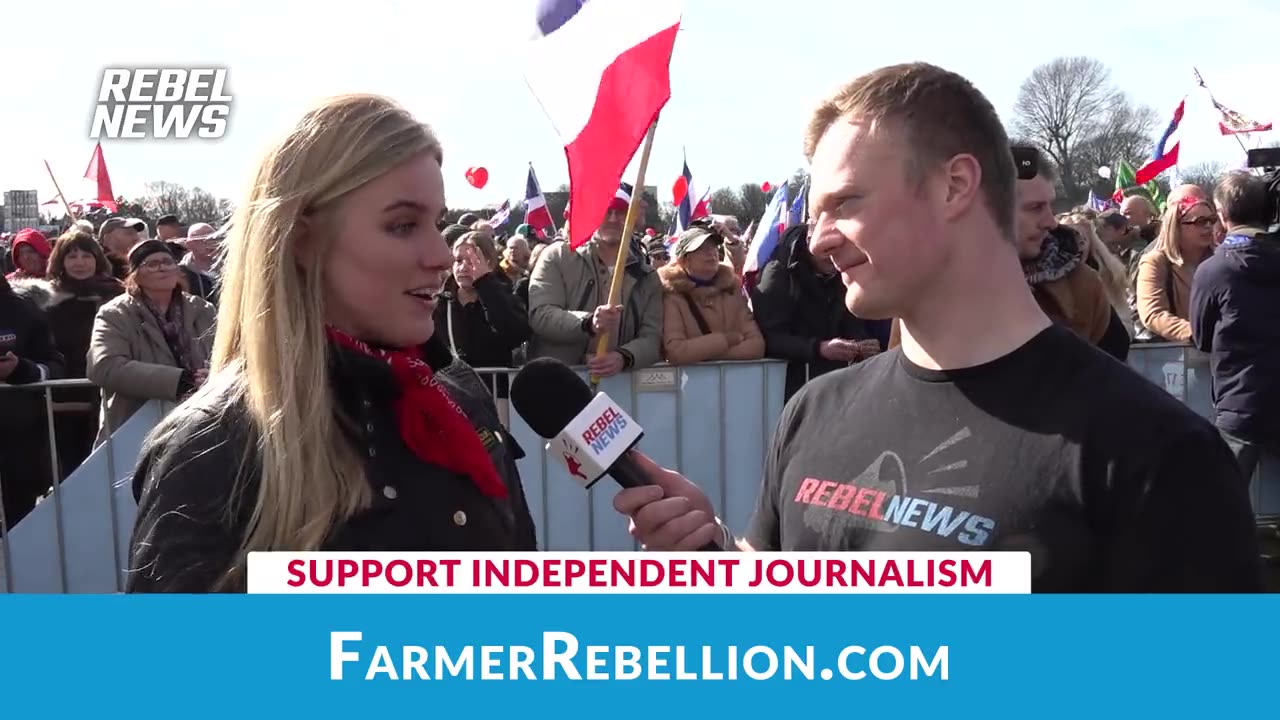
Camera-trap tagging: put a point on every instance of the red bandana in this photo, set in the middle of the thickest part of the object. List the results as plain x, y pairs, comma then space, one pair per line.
431, 423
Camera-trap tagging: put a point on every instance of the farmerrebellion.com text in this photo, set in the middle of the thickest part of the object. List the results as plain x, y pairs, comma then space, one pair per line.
562, 657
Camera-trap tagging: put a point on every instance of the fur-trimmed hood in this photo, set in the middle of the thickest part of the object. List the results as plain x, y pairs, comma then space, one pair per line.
38, 291
676, 280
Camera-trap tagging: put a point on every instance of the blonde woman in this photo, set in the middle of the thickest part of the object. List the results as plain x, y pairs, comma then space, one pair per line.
335, 417
1165, 272
1114, 278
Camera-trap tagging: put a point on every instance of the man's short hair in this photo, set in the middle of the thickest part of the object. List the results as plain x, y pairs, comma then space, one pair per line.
1243, 199
940, 114
168, 221
1114, 219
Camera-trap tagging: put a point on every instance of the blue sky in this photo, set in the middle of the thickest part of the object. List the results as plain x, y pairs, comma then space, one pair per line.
745, 75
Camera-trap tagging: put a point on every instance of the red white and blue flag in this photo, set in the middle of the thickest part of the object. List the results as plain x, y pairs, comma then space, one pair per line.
535, 204
768, 231
690, 209
1166, 154
602, 71
501, 216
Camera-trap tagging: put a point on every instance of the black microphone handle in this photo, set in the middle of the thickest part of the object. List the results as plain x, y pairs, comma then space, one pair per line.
627, 474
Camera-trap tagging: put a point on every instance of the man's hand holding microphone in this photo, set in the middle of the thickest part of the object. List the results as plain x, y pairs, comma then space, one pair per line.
672, 514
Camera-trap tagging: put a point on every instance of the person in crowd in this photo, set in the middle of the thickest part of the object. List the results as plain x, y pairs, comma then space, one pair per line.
522, 286
336, 418
798, 303
27, 355
655, 250
118, 236
1054, 256
1165, 272
515, 258
734, 249
1181, 192
151, 343
704, 313
1115, 278
30, 254
169, 232
6, 259
479, 312
79, 283
1113, 230
569, 301
1142, 216
1235, 317
468, 219
453, 232
199, 263
989, 414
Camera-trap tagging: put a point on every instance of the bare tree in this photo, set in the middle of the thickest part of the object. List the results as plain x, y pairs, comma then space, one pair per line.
1070, 107
1204, 174
190, 205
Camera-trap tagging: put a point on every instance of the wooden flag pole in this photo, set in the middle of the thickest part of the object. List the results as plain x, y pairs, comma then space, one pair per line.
66, 205
624, 251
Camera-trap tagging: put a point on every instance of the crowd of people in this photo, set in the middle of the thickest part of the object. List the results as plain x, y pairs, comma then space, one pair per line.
146, 318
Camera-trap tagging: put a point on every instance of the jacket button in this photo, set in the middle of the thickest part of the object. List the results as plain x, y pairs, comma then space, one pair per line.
369, 427
390, 492
459, 518
372, 452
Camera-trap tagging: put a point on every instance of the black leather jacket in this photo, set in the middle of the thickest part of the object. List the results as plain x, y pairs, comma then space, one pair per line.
189, 525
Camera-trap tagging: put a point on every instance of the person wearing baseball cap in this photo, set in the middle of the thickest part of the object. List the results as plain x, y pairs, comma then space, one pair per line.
569, 305
117, 236
704, 313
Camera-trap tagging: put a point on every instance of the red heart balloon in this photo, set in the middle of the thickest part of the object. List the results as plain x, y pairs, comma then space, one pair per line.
679, 190
478, 177
766, 187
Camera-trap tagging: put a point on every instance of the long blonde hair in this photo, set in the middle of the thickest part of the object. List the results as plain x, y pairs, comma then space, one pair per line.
271, 342
1168, 241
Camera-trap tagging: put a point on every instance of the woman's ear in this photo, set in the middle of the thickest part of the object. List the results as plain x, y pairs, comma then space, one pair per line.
302, 243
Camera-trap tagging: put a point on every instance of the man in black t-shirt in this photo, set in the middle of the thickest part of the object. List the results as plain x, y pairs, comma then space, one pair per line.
989, 427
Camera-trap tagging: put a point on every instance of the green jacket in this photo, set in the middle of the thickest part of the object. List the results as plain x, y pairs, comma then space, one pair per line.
562, 291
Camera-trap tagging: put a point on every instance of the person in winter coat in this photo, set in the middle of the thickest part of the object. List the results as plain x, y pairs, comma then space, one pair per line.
27, 355
569, 302
1235, 317
80, 282
1165, 272
344, 425
479, 312
799, 305
151, 343
704, 313
30, 254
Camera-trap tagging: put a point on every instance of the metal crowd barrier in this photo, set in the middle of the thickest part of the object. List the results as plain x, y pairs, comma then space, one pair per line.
711, 421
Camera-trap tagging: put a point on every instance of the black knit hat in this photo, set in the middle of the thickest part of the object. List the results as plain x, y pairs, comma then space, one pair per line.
142, 250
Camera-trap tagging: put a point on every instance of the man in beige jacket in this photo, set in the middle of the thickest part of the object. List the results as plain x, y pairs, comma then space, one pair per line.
569, 302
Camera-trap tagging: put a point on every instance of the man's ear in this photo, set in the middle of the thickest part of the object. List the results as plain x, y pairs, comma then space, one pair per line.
963, 177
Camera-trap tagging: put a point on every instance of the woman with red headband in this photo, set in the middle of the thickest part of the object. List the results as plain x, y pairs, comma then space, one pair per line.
1165, 272
334, 417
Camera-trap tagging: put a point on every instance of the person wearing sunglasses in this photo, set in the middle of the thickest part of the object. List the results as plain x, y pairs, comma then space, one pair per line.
1166, 270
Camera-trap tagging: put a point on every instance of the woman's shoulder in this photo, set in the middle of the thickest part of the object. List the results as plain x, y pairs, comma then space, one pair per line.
195, 453
121, 303
198, 303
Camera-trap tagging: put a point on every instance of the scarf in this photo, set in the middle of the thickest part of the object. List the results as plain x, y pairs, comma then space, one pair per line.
1059, 255
173, 326
433, 426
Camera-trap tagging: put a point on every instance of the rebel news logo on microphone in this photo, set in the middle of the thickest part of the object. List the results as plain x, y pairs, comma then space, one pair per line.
595, 439
161, 103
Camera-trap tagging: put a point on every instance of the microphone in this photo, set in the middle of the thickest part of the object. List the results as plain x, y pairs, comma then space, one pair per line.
592, 434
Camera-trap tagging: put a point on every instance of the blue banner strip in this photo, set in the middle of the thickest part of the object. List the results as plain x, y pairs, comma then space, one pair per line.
1006, 656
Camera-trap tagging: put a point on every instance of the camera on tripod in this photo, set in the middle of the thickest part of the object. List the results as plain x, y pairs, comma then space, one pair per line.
1268, 160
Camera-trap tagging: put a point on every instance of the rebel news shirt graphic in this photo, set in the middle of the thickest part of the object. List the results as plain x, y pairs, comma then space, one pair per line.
1056, 449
